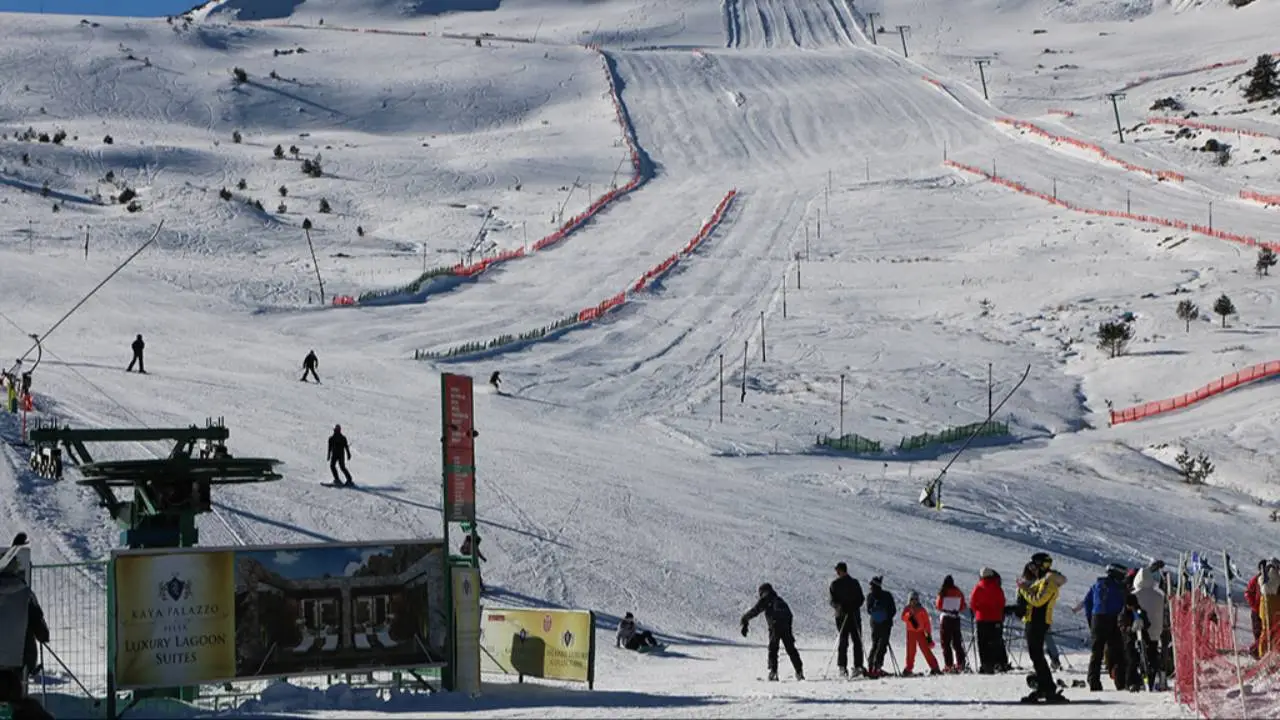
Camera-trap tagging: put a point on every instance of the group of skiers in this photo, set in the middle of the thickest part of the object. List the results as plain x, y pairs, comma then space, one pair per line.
1126, 609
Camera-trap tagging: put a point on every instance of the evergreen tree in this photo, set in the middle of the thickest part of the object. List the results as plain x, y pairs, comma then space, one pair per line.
1263, 84
1224, 307
1114, 337
1188, 311
1266, 260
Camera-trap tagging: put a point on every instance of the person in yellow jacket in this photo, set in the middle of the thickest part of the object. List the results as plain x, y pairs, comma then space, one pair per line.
1038, 592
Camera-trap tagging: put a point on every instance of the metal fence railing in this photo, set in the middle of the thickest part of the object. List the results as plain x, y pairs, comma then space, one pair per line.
77, 620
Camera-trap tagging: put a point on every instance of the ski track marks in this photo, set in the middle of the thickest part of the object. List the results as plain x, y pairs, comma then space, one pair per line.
810, 24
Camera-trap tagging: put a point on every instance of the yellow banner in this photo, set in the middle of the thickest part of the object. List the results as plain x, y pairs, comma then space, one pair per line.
551, 644
175, 616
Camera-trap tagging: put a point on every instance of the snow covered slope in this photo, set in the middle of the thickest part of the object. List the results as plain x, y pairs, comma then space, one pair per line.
606, 478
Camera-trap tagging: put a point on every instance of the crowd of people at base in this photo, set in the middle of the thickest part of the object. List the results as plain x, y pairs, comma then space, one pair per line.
1126, 609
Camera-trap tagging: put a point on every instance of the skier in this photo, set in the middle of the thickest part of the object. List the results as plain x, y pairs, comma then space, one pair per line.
778, 616
309, 364
1135, 626
846, 600
1102, 607
987, 602
1253, 595
631, 638
495, 381
950, 603
24, 617
1153, 603
339, 454
880, 611
1269, 586
1039, 591
919, 635
138, 346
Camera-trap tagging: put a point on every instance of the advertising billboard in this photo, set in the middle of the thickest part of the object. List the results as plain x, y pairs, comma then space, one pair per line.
200, 616
459, 454
542, 643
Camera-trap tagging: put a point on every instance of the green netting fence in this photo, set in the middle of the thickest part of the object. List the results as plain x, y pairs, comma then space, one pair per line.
501, 340
850, 443
408, 288
954, 434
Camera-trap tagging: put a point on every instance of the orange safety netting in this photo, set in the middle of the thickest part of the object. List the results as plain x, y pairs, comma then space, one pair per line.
1214, 672
1221, 385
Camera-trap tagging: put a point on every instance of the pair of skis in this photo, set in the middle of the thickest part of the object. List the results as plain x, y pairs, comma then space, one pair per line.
931, 495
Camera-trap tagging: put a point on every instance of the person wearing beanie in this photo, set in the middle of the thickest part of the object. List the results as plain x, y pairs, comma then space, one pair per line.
778, 616
880, 611
950, 603
919, 635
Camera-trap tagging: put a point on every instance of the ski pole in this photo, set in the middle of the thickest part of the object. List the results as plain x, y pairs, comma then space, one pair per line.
893, 657
826, 672
70, 674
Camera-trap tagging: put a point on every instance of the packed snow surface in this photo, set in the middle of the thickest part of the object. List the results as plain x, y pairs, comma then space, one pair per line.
852, 258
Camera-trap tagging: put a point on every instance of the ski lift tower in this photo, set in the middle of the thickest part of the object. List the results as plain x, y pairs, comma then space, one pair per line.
167, 493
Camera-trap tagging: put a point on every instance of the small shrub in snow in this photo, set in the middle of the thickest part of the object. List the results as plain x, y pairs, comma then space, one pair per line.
257, 205
59, 136
56, 207
278, 152
126, 195
282, 208
284, 191
360, 230
225, 194
236, 137
1224, 307
324, 206
240, 75
242, 185
108, 140
44, 190
43, 137
1114, 337
1194, 470
306, 223
1167, 103
1266, 260
293, 150
1188, 311
134, 206
26, 159
312, 167
274, 76
1263, 84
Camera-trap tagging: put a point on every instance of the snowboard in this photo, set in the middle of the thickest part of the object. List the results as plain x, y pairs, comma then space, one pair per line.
337, 485
651, 648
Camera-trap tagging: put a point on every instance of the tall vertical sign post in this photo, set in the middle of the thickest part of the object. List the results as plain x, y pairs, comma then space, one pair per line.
458, 440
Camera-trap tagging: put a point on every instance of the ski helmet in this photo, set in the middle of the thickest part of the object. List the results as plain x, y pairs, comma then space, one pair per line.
1042, 559
986, 572
1116, 570
766, 589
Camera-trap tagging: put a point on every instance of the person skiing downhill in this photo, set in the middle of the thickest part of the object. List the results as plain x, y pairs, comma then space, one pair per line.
495, 381
1039, 593
339, 454
846, 600
919, 635
138, 346
309, 364
880, 611
950, 604
778, 616
1103, 605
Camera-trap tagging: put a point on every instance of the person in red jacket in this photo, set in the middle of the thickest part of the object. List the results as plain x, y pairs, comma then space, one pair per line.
987, 602
1253, 595
919, 635
950, 604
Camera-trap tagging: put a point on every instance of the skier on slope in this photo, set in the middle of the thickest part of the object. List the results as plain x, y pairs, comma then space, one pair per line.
1039, 591
632, 638
1102, 607
339, 454
919, 635
309, 364
778, 616
880, 611
846, 600
950, 603
138, 346
495, 381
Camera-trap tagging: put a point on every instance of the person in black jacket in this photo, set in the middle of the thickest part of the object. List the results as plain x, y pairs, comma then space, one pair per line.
881, 610
12, 688
309, 364
138, 346
339, 453
778, 615
846, 600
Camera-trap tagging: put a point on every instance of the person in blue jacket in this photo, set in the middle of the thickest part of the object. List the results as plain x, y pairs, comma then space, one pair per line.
1103, 605
880, 611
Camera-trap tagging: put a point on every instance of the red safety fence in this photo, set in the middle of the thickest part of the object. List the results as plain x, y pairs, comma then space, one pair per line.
1267, 200
1184, 122
344, 300
665, 266
1217, 387
1215, 672
1150, 219
1096, 149
1056, 111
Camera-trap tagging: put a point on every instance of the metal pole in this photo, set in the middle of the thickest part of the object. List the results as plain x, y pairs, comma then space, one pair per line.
797, 276
1210, 216
902, 33
316, 264
721, 387
867, 168
872, 22
990, 386
1055, 188
1235, 650
819, 224
784, 296
1114, 97
842, 406
746, 352
1128, 202
981, 63
86, 242
762, 350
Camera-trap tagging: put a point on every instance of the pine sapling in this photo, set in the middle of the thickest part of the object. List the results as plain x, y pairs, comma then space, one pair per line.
1114, 337
1224, 307
1188, 311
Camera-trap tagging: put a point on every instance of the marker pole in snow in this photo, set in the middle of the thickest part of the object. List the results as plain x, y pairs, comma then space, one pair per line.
981, 63
746, 352
842, 406
784, 296
871, 22
1113, 97
902, 33
315, 264
932, 493
763, 357
721, 387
